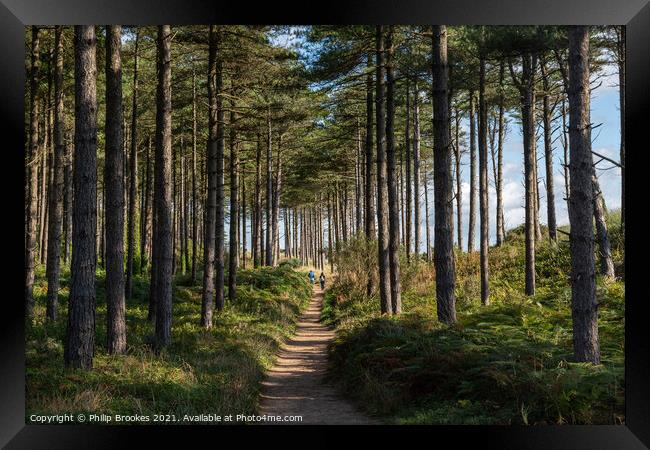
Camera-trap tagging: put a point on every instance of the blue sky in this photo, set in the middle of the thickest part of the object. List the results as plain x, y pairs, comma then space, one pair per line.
605, 140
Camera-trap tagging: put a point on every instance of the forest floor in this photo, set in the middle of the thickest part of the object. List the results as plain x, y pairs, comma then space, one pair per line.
296, 386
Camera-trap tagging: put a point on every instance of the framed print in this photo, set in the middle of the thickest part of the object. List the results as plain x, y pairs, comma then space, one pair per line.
396, 219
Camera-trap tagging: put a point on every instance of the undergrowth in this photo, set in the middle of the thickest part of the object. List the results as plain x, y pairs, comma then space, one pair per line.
217, 371
507, 363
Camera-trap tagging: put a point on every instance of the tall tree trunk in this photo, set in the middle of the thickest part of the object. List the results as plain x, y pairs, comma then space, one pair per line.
416, 167
330, 253
382, 188
287, 233
343, 204
536, 197
219, 262
583, 278
565, 146
233, 259
442, 182
133, 162
185, 208
369, 200
243, 214
257, 207
195, 215
426, 214
79, 346
269, 193
409, 187
174, 209
459, 183
483, 182
48, 161
143, 183
153, 281
163, 189
211, 203
402, 210
357, 181
275, 210
67, 199
526, 89
102, 232
148, 209
621, 96
499, 171
548, 156
32, 176
114, 182
472, 174
56, 193
393, 208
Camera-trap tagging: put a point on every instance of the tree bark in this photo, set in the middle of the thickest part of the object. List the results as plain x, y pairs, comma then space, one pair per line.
369, 189
382, 188
501, 232
472, 174
393, 207
548, 157
49, 150
257, 207
133, 162
275, 210
56, 193
147, 218
483, 183
443, 191
565, 146
220, 211
185, 208
32, 176
80, 336
243, 214
459, 184
426, 213
233, 257
527, 100
416, 167
164, 189
357, 182
621, 96
211, 203
67, 200
583, 281
195, 215
409, 191
269, 193
114, 182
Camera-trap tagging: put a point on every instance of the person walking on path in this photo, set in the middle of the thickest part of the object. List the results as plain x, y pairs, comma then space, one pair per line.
322, 281
311, 276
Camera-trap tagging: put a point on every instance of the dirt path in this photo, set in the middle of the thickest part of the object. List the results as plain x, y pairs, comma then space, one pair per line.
295, 385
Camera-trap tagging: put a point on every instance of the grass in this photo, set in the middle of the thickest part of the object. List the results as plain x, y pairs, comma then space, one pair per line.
217, 371
507, 363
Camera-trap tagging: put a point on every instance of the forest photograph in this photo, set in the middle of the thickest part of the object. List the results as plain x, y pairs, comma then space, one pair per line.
324, 224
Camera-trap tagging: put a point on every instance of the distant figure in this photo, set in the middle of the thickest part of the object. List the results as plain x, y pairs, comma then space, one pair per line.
322, 281
311, 276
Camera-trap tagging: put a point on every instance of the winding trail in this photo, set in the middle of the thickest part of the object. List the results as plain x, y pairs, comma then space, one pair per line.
295, 385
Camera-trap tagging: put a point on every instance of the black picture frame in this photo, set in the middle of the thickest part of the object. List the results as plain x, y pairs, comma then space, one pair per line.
15, 14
